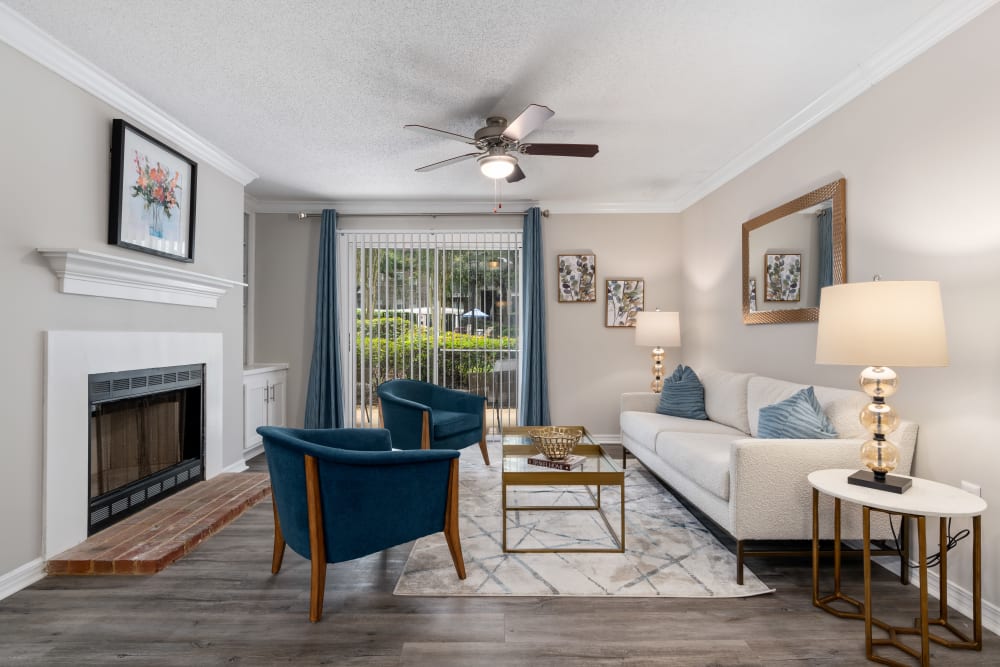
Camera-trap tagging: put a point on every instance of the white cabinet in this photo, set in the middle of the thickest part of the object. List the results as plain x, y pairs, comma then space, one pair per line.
263, 400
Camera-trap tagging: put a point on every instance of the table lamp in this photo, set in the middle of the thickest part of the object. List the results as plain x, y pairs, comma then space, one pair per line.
891, 323
657, 330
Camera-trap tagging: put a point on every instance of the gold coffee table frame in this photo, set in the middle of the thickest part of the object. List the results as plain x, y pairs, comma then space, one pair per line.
599, 470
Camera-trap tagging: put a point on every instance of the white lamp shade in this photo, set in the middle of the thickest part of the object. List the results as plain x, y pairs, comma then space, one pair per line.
882, 323
658, 329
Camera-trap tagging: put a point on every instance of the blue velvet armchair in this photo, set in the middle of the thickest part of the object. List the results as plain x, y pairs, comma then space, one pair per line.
421, 415
340, 494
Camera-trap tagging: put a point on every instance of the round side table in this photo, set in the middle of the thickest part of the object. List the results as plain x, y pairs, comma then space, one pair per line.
925, 499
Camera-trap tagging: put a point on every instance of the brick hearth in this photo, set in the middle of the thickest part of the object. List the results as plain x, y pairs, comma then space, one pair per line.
151, 539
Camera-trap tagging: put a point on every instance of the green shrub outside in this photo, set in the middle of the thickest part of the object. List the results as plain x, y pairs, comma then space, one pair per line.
394, 347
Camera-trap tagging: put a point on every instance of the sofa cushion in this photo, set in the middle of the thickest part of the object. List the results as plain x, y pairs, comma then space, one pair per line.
701, 457
763, 391
642, 427
726, 397
683, 395
798, 417
842, 406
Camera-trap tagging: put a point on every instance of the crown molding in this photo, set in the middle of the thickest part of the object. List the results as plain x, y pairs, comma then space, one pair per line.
41, 47
388, 207
559, 207
354, 207
935, 26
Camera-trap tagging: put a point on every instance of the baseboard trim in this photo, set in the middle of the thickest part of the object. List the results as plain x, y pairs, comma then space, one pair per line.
22, 577
239, 466
253, 451
959, 599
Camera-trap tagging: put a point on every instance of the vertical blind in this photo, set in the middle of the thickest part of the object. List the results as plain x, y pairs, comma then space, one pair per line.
442, 307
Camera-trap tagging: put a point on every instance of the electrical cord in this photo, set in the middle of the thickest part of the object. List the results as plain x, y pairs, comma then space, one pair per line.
934, 559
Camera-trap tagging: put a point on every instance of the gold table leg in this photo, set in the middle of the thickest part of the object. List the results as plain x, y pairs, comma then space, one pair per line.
964, 641
866, 515
503, 542
925, 648
815, 547
922, 623
825, 602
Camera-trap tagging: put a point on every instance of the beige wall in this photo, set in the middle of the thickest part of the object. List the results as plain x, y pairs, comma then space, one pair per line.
590, 365
54, 170
284, 285
921, 155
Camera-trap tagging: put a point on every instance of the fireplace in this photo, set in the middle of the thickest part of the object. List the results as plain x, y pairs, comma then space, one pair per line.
71, 357
146, 438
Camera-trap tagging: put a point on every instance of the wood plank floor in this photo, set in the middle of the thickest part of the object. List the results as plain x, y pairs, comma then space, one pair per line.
221, 605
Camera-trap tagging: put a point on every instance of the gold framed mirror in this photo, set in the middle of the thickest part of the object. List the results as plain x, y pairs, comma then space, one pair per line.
793, 251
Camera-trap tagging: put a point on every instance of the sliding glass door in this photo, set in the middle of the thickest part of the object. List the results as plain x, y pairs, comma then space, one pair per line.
439, 307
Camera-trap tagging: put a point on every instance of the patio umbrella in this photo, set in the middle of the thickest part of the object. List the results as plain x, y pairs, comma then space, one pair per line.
475, 312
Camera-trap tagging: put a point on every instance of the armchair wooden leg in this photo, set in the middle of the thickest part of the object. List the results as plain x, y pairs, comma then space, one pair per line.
317, 544
482, 440
451, 521
425, 432
279, 541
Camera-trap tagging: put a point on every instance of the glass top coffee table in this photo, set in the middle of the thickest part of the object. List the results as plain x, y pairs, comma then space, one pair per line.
598, 469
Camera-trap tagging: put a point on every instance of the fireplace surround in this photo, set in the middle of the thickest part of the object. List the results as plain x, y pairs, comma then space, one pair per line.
70, 358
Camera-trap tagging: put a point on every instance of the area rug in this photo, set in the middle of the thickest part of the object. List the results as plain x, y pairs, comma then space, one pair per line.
668, 553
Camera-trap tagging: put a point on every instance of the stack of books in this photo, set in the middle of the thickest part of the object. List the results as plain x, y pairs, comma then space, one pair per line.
571, 462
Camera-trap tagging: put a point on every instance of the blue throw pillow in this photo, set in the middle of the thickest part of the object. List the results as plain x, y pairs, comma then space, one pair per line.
683, 395
798, 416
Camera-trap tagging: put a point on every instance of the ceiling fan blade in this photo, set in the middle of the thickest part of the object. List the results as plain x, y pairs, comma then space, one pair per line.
530, 120
445, 163
568, 150
516, 175
423, 129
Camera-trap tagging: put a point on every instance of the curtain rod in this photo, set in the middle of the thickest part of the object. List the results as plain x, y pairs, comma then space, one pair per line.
302, 215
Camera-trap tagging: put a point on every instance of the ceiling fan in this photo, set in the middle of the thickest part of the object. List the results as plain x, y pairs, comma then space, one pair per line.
499, 142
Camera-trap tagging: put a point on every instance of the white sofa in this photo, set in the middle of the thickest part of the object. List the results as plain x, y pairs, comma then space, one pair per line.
754, 488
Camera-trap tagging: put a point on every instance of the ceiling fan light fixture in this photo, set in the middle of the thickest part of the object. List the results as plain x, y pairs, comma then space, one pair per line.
495, 165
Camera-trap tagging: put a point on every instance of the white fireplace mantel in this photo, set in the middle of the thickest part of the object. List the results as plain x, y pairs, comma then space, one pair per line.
97, 274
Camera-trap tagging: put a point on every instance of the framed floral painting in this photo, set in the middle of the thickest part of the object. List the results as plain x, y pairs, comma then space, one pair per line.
624, 299
153, 191
782, 276
577, 278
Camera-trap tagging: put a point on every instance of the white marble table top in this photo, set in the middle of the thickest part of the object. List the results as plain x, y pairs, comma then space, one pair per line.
926, 498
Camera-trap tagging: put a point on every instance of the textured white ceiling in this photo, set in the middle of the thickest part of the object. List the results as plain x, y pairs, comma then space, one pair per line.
312, 94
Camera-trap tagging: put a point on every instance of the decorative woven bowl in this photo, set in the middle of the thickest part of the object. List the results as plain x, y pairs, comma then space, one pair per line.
556, 442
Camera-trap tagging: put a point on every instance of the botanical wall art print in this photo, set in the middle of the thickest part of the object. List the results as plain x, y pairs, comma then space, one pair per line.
152, 195
782, 276
577, 278
624, 300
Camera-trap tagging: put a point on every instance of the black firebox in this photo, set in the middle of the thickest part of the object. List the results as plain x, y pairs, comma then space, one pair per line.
146, 438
